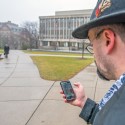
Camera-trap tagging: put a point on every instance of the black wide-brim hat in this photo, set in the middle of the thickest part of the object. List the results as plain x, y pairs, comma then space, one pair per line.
106, 12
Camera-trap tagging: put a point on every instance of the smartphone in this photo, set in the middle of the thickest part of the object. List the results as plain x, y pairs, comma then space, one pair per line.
68, 90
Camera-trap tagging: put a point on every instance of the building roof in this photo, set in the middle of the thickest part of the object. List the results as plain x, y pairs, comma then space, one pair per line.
70, 13
74, 12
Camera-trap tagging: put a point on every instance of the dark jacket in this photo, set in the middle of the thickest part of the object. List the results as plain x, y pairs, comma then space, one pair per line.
6, 49
113, 113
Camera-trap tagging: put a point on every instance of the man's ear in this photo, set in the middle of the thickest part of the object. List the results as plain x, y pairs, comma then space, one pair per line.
109, 41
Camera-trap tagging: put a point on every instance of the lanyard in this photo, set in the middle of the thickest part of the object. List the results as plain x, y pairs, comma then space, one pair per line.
115, 87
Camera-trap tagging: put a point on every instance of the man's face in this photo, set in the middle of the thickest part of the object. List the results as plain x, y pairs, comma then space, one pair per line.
104, 65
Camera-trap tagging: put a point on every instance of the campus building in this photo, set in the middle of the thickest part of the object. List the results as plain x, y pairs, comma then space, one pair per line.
56, 31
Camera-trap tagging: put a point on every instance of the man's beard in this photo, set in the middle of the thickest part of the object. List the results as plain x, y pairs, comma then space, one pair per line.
101, 76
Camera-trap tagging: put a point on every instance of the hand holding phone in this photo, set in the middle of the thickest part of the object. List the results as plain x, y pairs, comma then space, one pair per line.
68, 90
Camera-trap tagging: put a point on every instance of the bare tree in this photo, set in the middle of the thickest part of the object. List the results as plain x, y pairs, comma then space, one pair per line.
32, 28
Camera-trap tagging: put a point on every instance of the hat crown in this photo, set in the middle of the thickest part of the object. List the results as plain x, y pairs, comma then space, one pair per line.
107, 7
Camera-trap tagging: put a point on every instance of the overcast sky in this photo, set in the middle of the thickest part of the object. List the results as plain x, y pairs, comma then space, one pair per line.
19, 11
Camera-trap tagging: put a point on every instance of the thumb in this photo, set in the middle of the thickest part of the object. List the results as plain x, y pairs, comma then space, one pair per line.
77, 84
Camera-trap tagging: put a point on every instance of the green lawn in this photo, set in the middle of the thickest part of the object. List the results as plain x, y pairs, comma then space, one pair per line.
60, 68
1, 50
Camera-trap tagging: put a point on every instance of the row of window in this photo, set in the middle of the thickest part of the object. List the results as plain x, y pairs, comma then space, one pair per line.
60, 28
71, 19
47, 23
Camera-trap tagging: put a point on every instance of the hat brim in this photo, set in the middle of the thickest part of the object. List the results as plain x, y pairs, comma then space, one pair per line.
82, 31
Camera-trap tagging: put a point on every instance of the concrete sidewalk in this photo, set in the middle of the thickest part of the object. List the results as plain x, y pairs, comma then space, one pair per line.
26, 99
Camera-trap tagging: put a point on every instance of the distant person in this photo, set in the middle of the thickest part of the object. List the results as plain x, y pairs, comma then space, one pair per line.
6, 50
106, 33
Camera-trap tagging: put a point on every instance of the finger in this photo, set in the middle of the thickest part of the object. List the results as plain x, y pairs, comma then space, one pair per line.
65, 101
77, 84
64, 96
61, 92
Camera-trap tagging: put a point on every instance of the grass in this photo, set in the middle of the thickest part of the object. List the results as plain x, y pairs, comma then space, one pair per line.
1, 50
59, 68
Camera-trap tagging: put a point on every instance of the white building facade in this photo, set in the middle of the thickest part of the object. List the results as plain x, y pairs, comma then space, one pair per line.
56, 31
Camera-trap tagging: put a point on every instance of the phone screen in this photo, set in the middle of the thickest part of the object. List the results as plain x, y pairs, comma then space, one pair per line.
68, 90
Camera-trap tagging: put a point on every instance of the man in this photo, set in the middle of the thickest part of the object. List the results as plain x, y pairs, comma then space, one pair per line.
6, 50
106, 32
